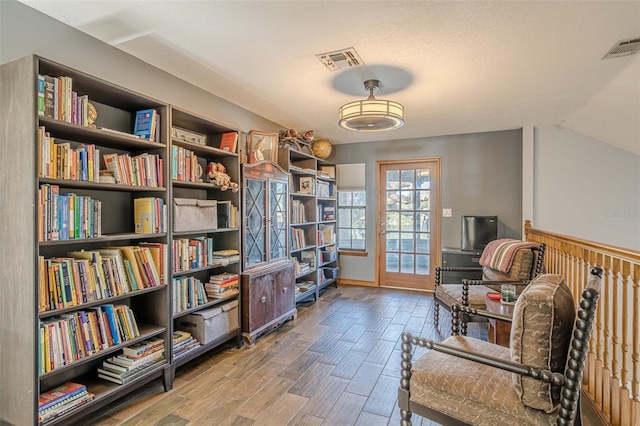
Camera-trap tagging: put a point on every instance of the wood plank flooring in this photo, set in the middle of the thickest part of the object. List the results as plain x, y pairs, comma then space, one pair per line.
338, 363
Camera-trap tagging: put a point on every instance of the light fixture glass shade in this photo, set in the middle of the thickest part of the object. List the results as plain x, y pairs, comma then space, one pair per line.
371, 114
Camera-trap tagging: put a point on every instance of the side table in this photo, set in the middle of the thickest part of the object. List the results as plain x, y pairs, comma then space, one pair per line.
499, 331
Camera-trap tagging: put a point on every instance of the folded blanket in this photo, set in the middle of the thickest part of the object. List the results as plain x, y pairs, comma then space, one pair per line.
499, 254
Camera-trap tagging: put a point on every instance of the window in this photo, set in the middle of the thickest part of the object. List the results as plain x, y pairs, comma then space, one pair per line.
351, 220
352, 203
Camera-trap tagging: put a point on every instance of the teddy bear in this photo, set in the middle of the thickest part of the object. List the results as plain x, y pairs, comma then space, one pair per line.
217, 174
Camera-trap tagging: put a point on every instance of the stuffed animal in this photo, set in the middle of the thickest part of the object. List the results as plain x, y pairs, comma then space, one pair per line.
217, 174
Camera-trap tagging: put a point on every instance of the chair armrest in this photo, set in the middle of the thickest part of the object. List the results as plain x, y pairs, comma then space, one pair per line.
409, 340
461, 309
490, 284
440, 269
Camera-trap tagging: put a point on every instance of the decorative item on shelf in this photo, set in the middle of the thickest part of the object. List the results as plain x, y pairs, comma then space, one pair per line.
188, 136
322, 148
199, 172
371, 114
92, 115
217, 173
262, 146
301, 141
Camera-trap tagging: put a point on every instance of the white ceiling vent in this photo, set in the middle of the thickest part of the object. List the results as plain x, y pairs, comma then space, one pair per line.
340, 59
623, 48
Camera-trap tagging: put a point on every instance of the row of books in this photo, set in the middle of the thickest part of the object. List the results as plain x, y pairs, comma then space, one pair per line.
192, 253
67, 216
61, 161
326, 234
184, 165
326, 212
58, 100
149, 215
88, 276
188, 292
134, 361
298, 239
222, 285
298, 214
140, 170
183, 342
70, 337
60, 400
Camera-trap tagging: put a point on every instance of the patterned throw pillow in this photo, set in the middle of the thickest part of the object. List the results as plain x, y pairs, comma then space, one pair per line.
520, 268
543, 319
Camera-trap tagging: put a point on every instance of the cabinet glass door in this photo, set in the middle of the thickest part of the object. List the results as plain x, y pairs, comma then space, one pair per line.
278, 223
255, 230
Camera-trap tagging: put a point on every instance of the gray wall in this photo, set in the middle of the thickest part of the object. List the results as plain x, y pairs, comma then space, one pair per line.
586, 188
25, 31
481, 175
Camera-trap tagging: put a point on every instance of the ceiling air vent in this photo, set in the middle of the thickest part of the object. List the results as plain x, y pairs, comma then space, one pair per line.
623, 48
340, 59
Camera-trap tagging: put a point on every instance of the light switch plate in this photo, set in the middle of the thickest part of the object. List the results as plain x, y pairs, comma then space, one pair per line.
446, 212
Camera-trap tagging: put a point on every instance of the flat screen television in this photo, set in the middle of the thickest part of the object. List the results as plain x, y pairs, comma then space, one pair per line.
477, 231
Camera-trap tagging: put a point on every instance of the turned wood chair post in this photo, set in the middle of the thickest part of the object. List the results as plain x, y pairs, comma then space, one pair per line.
406, 365
570, 396
436, 305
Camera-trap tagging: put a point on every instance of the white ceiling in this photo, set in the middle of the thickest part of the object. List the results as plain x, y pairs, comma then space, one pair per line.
458, 67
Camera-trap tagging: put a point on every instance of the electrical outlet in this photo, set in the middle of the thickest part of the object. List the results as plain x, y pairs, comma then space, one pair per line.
446, 212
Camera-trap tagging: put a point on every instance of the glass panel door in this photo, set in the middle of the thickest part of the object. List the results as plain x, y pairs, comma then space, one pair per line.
408, 232
255, 230
278, 223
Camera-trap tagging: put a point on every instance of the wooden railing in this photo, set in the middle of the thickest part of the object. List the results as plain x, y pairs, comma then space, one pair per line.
612, 375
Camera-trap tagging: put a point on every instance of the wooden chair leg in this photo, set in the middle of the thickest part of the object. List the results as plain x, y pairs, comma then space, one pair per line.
436, 313
406, 418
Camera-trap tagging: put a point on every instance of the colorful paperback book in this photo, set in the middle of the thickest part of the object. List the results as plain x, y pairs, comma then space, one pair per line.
145, 124
229, 141
59, 393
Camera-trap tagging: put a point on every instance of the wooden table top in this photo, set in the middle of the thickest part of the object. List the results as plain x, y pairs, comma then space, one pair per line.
494, 305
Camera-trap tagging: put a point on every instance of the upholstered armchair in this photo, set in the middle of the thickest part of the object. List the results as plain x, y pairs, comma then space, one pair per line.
505, 260
536, 381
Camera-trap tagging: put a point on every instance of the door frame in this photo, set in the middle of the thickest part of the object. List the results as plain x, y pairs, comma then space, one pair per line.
435, 258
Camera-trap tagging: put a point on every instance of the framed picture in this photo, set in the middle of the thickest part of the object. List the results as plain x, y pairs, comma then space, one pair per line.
262, 146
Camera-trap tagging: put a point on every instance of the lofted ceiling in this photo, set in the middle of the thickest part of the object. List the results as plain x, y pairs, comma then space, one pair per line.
457, 66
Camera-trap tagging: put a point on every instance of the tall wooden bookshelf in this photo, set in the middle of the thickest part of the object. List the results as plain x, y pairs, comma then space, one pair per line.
313, 224
29, 243
223, 236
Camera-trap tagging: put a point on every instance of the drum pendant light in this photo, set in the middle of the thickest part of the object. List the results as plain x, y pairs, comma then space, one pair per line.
371, 114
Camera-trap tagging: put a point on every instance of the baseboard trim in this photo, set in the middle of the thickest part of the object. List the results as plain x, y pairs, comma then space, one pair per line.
362, 283
591, 414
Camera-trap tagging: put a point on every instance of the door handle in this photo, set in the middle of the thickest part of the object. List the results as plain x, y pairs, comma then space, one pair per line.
263, 299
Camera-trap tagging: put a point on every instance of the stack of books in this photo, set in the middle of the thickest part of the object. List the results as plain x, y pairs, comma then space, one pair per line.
62, 399
183, 342
134, 361
224, 257
222, 285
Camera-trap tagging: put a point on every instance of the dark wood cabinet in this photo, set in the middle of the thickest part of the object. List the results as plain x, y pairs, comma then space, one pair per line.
268, 299
268, 278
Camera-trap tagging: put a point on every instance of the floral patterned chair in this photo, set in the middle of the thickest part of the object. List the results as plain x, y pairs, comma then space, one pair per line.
536, 381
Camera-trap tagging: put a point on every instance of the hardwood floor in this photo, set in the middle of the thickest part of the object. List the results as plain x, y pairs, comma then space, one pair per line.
338, 363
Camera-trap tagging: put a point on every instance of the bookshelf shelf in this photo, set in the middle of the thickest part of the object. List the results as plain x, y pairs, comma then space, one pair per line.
210, 304
199, 185
204, 268
81, 184
146, 331
109, 300
313, 196
196, 352
204, 231
204, 150
125, 236
101, 137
